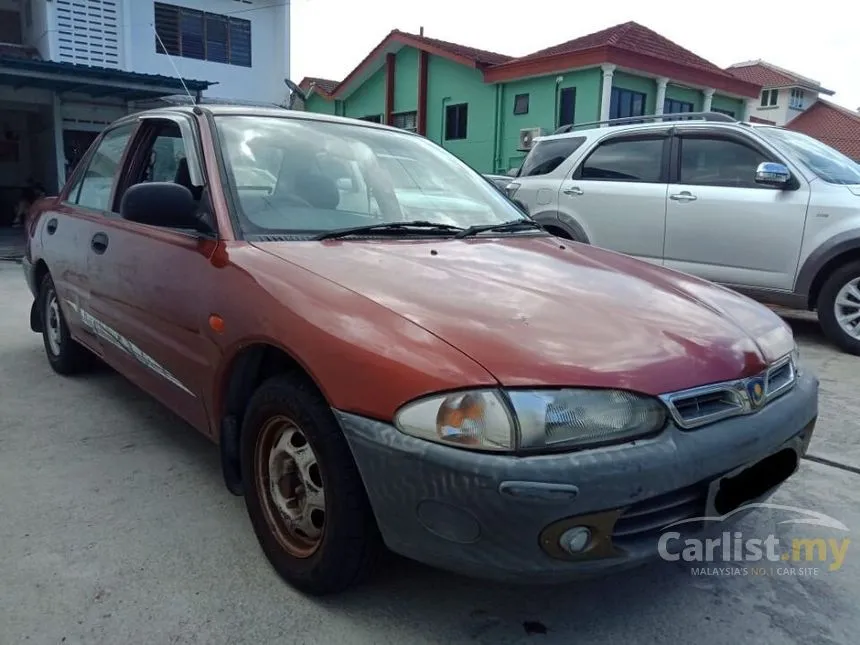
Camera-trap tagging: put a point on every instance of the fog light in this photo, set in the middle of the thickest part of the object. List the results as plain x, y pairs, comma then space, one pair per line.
575, 540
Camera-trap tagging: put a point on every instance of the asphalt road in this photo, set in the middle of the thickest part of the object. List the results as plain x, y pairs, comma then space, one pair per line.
115, 528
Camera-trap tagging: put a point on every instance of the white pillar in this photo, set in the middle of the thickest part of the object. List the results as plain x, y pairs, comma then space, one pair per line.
709, 98
606, 95
128, 35
749, 107
661, 94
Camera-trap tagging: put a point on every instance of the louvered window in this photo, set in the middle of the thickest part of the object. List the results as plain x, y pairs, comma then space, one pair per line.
190, 33
88, 32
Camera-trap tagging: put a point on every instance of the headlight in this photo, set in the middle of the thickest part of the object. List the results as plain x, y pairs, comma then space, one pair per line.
530, 420
578, 417
477, 419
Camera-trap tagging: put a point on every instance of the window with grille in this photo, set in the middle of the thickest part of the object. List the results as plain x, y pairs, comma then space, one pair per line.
190, 33
405, 121
769, 98
796, 99
88, 32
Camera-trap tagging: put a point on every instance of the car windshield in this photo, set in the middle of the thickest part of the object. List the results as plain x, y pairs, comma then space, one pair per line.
302, 176
829, 164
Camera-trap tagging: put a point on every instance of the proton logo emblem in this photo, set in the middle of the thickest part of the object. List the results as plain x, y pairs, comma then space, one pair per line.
755, 391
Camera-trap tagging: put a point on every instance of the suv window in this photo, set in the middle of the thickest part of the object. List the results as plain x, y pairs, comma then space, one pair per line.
546, 156
625, 160
94, 187
719, 162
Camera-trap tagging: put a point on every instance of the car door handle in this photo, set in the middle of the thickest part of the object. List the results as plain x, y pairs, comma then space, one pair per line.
683, 197
574, 190
99, 243
51, 226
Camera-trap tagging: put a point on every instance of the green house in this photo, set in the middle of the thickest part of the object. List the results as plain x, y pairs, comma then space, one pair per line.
484, 107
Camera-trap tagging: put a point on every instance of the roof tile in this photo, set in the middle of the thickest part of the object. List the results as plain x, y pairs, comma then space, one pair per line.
761, 75
325, 84
480, 56
635, 38
836, 126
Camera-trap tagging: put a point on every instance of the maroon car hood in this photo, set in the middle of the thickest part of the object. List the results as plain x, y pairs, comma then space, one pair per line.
543, 311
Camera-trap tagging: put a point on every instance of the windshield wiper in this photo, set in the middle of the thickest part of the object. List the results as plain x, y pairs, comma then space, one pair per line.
409, 228
513, 225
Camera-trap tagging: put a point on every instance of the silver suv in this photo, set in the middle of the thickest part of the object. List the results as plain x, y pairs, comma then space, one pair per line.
766, 211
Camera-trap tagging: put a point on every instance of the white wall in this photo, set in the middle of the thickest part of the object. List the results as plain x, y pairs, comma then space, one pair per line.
36, 34
264, 81
781, 113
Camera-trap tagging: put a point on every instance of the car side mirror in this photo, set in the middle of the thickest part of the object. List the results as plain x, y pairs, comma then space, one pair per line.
513, 172
162, 204
772, 174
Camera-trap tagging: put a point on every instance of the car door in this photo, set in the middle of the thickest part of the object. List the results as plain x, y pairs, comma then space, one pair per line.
723, 226
535, 188
154, 288
69, 228
617, 193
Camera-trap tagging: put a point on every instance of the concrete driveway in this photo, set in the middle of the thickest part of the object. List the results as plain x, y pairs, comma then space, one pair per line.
115, 528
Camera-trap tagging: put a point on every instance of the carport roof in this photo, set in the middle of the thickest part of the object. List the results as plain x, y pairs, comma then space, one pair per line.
93, 81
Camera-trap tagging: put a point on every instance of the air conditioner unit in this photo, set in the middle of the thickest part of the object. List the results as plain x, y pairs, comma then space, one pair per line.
527, 137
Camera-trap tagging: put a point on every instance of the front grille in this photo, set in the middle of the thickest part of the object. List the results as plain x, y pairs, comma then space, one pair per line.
702, 405
780, 378
709, 406
646, 520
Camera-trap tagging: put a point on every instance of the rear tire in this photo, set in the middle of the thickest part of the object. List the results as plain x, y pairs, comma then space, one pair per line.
839, 307
303, 491
65, 355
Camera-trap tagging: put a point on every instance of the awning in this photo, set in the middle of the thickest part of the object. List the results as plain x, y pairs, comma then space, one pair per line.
96, 82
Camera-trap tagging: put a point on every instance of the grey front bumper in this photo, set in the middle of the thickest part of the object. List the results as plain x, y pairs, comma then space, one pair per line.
483, 515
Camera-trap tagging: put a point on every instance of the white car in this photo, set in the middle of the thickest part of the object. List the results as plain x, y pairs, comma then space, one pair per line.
769, 212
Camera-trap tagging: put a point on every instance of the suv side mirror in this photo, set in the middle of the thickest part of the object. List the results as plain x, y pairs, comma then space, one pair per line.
162, 204
772, 174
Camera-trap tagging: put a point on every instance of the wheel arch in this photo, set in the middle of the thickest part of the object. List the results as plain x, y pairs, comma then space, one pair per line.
565, 228
829, 257
242, 374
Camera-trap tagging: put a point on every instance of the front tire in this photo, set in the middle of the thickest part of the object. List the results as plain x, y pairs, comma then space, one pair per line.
65, 355
839, 308
303, 492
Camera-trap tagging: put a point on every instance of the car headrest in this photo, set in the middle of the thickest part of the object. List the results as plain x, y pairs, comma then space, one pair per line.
318, 190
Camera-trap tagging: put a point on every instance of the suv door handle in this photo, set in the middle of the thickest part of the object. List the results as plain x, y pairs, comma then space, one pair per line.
574, 190
99, 243
683, 196
51, 226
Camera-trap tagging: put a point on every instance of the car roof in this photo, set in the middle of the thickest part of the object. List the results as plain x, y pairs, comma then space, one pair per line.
246, 110
645, 127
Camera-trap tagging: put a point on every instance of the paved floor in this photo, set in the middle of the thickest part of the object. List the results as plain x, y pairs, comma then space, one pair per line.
11, 243
115, 528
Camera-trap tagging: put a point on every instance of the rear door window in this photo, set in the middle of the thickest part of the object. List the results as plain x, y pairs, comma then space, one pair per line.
548, 155
637, 160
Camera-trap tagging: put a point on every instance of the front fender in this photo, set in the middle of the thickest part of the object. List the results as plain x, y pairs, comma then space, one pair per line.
564, 222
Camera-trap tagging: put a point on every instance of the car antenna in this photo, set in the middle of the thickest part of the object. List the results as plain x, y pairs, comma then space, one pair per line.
175, 68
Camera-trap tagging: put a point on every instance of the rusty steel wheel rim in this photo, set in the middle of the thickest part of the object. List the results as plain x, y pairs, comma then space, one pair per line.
289, 482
